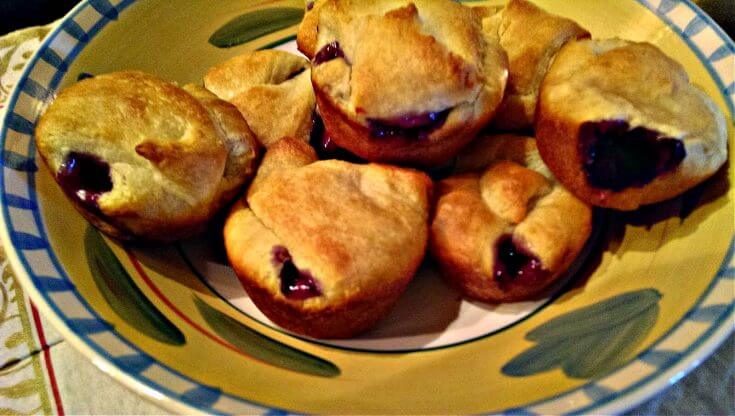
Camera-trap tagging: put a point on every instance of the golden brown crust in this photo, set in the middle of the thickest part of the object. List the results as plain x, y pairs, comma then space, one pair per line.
329, 215
505, 197
284, 154
636, 83
454, 67
307, 34
432, 75
508, 190
531, 37
462, 230
476, 156
240, 142
166, 153
271, 88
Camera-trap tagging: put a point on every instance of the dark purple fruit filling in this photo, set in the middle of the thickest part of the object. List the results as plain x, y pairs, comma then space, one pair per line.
325, 147
84, 75
443, 171
416, 126
85, 177
309, 5
616, 157
513, 263
295, 284
329, 52
318, 138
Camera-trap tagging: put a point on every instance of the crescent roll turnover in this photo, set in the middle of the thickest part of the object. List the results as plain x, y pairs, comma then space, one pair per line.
325, 248
402, 81
141, 158
621, 126
504, 229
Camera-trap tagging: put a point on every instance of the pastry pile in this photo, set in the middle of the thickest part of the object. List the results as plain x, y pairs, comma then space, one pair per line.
534, 121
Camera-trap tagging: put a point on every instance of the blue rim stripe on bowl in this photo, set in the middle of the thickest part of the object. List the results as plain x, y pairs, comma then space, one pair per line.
667, 10
148, 373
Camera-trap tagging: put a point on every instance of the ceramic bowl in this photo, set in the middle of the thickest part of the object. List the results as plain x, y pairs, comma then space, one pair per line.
652, 298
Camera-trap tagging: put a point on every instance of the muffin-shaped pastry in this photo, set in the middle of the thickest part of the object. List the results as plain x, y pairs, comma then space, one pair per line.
408, 81
531, 37
504, 229
325, 248
621, 126
142, 158
271, 88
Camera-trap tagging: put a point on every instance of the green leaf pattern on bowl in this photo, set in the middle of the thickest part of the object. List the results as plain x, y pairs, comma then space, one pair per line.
264, 348
590, 341
252, 25
123, 296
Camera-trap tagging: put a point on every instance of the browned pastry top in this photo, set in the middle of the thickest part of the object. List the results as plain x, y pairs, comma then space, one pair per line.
531, 37
401, 57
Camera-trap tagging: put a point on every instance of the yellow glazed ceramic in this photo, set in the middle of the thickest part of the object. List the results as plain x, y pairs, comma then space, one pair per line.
652, 298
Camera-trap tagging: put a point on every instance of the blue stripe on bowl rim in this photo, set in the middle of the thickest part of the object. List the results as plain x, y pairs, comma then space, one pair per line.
132, 366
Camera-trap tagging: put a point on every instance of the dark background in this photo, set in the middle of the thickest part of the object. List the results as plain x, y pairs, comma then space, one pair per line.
17, 14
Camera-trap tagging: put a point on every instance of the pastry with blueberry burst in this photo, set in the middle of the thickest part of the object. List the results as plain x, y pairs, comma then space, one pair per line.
325, 248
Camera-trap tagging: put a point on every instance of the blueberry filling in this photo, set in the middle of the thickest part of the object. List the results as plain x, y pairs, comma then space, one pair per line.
513, 263
415, 126
325, 147
295, 284
329, 52
616, 157
85, 177
318, 134
309, 5
444, 171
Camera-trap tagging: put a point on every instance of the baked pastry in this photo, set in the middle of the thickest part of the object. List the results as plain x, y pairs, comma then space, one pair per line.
325, 248
531, 37
271, 88
407, 81
504, 229
621, 126
142, 158
240, 144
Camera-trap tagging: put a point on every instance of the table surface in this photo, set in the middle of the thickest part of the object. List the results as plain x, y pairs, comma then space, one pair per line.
42, 374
